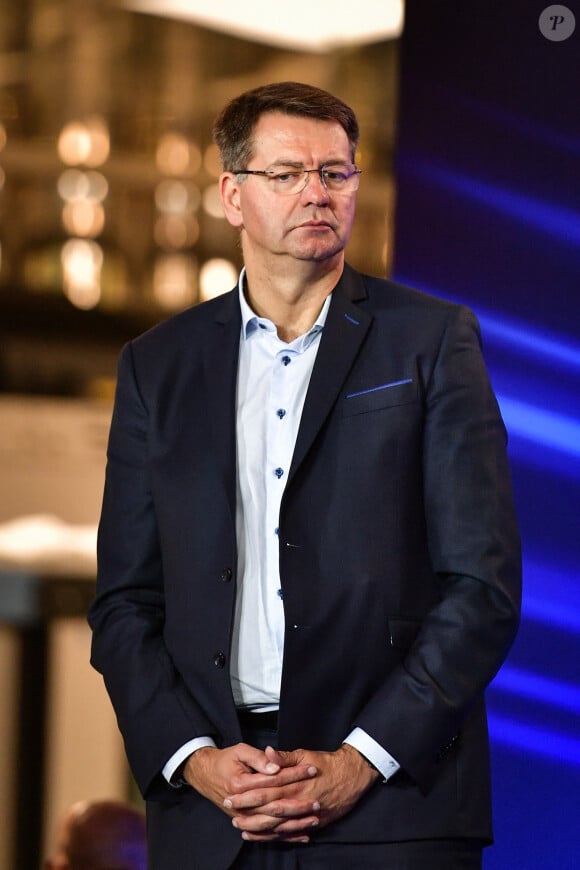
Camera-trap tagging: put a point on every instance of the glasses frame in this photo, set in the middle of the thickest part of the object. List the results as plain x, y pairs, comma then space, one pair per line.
321, 170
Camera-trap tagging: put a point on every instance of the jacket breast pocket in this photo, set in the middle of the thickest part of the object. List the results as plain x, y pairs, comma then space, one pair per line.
376, 397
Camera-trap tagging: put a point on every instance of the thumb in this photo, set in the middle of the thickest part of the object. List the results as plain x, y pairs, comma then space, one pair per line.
283, 758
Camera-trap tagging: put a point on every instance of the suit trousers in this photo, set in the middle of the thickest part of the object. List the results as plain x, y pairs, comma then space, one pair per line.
450, 854
412, 855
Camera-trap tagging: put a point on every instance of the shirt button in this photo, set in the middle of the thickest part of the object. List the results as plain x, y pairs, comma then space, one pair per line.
286, 360
219, 660
276, 531
280, 593
226, 575
279, 472
281, 412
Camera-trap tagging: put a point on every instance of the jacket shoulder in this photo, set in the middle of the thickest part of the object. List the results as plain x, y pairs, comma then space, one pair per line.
187, 324
382, 293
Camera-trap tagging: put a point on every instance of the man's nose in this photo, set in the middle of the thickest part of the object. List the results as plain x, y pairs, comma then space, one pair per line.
315, 189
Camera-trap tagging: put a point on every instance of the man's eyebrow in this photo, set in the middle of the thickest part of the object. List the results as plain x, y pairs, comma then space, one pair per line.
298, 164
295, 164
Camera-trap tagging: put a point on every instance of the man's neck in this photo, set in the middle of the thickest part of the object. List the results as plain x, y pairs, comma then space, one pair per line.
292, 300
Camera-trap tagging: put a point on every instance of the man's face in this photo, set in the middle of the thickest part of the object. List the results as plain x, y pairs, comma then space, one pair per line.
314, 224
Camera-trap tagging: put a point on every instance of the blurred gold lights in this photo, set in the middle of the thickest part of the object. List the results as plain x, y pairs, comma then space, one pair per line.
83, 145
83, 194
174, 280
216, 276
186, 187
176, 226
82, 261
176, 155
178, 200
3, 139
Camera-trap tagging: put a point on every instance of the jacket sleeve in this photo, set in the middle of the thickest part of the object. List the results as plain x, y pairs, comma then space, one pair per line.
156, 714
475, 555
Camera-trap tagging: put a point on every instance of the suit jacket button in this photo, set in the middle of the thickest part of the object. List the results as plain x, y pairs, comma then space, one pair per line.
219, 660
226, 575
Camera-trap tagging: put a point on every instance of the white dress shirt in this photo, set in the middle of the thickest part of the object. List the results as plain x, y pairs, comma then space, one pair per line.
273, 378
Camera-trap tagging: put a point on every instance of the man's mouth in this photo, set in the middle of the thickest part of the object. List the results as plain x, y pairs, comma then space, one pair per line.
316, 225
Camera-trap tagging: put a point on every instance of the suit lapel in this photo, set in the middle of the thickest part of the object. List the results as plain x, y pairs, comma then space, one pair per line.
344, 332
220, 366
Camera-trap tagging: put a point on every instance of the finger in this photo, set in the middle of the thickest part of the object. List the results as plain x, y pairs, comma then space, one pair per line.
297, 827
268, 825
246, 782
257, 759
282, 758
275, 838
289, 759
295, 773
278, 807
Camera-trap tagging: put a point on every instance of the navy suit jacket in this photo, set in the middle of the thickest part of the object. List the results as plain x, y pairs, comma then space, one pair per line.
399, 562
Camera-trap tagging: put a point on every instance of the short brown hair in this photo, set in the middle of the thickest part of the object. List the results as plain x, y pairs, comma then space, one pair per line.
234, 127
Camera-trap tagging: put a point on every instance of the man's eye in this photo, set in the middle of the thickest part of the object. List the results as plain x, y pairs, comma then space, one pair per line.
285, 176
336, 175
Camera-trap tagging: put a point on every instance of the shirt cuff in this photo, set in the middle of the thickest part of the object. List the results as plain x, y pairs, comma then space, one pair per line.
184, 752
373, 752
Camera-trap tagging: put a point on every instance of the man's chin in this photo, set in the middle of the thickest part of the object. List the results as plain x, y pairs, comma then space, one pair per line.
319, 253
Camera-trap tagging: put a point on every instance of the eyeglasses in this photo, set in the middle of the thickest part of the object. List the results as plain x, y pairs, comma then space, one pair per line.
342, 178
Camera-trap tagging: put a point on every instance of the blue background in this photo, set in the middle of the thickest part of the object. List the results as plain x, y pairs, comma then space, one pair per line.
488, 213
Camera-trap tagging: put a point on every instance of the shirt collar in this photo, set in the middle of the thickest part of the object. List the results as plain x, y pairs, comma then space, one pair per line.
251, 321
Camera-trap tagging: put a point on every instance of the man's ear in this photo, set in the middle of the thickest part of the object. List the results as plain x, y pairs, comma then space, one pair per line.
229, 188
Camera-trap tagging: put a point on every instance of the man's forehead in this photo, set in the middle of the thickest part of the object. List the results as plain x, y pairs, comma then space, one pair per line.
275, 130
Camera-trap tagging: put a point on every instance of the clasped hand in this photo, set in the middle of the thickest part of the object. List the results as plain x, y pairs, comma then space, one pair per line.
275, 795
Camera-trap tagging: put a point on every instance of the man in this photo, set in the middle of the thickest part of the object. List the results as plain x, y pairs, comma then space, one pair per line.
100, 835
309, 562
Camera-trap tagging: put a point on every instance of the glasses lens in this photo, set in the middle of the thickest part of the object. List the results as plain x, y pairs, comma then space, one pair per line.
288, 180
340, 178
